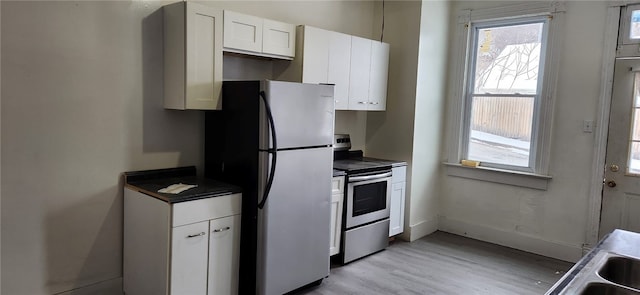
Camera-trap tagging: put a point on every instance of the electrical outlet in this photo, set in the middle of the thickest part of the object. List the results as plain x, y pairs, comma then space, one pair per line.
587, 126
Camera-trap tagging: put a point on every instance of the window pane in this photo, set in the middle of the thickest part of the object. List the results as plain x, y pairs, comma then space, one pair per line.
634, 146
634, 28
507, 59
500, 130
635, 128
636, 91
634, 158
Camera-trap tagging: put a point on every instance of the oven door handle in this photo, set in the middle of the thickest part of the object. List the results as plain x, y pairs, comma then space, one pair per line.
369, 177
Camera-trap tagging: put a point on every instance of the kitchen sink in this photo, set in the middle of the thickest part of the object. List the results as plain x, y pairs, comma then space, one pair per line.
612, 267
622, 270
606, 289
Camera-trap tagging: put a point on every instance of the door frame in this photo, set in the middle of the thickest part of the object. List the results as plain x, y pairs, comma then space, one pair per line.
602, 126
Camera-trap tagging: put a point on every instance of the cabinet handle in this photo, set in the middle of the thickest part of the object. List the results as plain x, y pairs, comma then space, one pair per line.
362, 102
374, 103
221, 229
196, 235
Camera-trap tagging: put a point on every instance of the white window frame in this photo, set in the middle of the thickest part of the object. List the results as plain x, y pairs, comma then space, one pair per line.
536, 175
625, 25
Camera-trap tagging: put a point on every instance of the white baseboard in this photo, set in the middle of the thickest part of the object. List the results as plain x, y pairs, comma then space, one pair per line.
420, 230
108, 287
512, 239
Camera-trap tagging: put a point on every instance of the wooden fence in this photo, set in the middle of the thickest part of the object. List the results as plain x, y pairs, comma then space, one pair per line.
503, 116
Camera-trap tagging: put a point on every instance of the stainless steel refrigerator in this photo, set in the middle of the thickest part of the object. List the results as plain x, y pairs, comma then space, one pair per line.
274, 139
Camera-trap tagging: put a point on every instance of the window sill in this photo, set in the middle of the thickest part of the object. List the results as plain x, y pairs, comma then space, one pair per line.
516, 178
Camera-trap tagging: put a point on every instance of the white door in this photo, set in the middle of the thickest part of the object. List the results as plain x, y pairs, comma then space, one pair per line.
378, 79
224, 255
278, 38
359, 74
337, 195
339, 65
189, 247
316, 55
204, 57
293, 244
243, 32
621, 190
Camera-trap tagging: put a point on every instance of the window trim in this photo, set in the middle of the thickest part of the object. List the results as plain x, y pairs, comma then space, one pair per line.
459, 106
469, 92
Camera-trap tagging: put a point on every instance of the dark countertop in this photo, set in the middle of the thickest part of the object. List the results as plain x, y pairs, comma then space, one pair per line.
363, 163
382, 161
617, 243
150, 181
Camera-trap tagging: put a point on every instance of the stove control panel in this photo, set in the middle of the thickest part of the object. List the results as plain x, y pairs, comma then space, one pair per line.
341, 142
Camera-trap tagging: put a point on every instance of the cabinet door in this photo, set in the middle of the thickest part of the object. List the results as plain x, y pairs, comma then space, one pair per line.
396, 214
315, 55
242, 32
189, 247
337, 196
379, 74
204, 57
278, 38
359, 74
224, 254
338, 68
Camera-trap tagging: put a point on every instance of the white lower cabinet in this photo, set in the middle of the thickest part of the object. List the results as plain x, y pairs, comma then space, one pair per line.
337, 197
398, 186
184, 248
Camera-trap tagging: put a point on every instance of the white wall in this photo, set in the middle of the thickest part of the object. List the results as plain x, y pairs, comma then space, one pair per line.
410, 128
429, 116
551, 222
81, 103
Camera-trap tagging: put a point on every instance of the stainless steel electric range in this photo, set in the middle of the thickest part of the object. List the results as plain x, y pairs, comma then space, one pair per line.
365, 220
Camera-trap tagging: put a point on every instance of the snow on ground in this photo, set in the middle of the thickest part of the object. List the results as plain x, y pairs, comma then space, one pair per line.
487, 147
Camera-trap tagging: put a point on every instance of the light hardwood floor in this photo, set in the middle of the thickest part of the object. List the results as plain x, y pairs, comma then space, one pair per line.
443, 263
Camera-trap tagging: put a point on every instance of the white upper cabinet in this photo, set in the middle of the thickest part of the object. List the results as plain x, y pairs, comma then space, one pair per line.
360, 73
369, 74
242, 31
253, 35
327, 58
356, 66
378, 77
315, 66
339, 67
192, 56
278, 38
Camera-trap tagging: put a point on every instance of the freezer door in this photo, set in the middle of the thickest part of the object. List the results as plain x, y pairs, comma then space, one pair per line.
294, 225
303, 114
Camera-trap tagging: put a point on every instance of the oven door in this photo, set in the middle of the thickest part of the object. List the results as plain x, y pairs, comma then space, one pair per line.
367, 198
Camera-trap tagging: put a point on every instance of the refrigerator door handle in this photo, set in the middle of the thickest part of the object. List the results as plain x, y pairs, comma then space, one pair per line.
273, 151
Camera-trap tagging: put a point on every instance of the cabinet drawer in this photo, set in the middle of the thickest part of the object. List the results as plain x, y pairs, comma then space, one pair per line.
337, 185
205, 209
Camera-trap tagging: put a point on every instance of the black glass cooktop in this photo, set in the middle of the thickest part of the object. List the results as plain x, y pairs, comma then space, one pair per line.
353, 161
